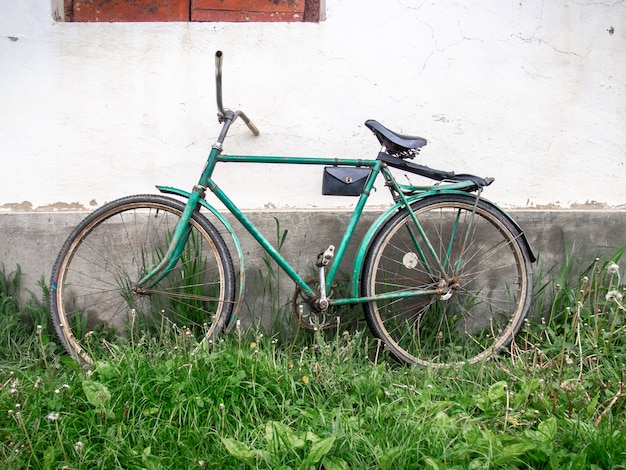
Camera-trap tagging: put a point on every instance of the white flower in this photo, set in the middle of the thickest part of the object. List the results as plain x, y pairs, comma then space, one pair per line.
53, 416
613, 268
78, 447
614, 295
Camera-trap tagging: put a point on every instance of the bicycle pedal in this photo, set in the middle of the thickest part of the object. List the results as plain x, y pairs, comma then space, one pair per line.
325, 257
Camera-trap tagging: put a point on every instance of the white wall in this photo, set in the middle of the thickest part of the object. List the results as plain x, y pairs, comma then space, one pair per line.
531, 92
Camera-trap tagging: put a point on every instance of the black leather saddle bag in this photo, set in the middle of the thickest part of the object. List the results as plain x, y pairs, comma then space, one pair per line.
344, 180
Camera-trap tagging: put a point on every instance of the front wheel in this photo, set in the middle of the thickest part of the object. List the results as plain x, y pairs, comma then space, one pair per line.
94, 298
470, 271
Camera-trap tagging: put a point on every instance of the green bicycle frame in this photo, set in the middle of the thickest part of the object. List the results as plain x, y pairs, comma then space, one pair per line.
405, 195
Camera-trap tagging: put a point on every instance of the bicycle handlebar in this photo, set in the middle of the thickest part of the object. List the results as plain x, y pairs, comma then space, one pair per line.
222, 112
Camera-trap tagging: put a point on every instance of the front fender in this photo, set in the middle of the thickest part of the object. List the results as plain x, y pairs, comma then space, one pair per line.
229, 229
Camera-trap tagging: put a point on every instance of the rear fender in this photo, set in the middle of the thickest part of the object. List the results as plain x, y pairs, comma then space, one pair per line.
523, 239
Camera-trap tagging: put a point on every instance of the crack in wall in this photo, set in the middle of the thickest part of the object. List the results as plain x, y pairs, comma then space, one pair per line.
532, 39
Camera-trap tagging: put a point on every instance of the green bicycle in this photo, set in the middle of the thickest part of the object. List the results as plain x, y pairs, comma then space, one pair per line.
444, 276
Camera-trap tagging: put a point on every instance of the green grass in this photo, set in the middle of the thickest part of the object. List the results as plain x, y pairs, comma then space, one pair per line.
332, 400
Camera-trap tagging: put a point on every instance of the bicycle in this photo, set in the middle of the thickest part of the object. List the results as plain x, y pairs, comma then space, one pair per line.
444, 276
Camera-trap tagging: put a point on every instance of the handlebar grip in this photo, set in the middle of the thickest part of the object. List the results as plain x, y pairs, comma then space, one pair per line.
253, 128
219, 57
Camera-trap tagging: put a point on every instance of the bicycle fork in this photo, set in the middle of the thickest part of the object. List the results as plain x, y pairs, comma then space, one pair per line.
176, 246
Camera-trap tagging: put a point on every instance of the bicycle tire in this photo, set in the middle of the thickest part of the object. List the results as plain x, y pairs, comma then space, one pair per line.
474, 315
91, 287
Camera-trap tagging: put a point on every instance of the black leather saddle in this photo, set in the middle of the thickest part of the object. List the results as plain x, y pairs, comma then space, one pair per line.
393, 142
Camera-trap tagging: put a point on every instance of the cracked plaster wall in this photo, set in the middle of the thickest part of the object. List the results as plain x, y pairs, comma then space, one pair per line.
531, 92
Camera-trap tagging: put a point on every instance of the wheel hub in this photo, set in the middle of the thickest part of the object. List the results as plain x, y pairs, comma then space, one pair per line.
445, 289
139, 290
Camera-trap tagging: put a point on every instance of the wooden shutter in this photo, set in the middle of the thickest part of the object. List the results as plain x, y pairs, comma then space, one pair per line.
247, 10
120, 10
192, 10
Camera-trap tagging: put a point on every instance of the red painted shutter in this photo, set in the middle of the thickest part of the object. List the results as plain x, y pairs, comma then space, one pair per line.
247, 10
121, 10
191, 10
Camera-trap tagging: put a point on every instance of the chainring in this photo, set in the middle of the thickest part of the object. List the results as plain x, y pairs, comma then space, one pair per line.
306, 312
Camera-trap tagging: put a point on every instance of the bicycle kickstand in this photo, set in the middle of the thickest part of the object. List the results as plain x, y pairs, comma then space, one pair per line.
323, 260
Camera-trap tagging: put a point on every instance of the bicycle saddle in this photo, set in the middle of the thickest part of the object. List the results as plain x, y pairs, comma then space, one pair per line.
396, 144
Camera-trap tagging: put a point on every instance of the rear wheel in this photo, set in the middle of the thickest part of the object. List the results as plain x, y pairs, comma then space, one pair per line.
93, 294
474, 299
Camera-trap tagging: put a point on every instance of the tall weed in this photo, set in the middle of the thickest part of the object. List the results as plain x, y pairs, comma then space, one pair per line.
20, 336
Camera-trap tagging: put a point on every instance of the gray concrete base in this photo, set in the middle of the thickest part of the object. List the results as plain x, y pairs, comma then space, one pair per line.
34, 239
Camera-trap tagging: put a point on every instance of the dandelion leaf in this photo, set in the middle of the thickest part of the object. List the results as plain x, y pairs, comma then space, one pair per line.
548, 428
239, 450
335, 463
432, 463
497, 391
319, 450
275, 429
97, 393
386, 460
512, 451
48, 457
